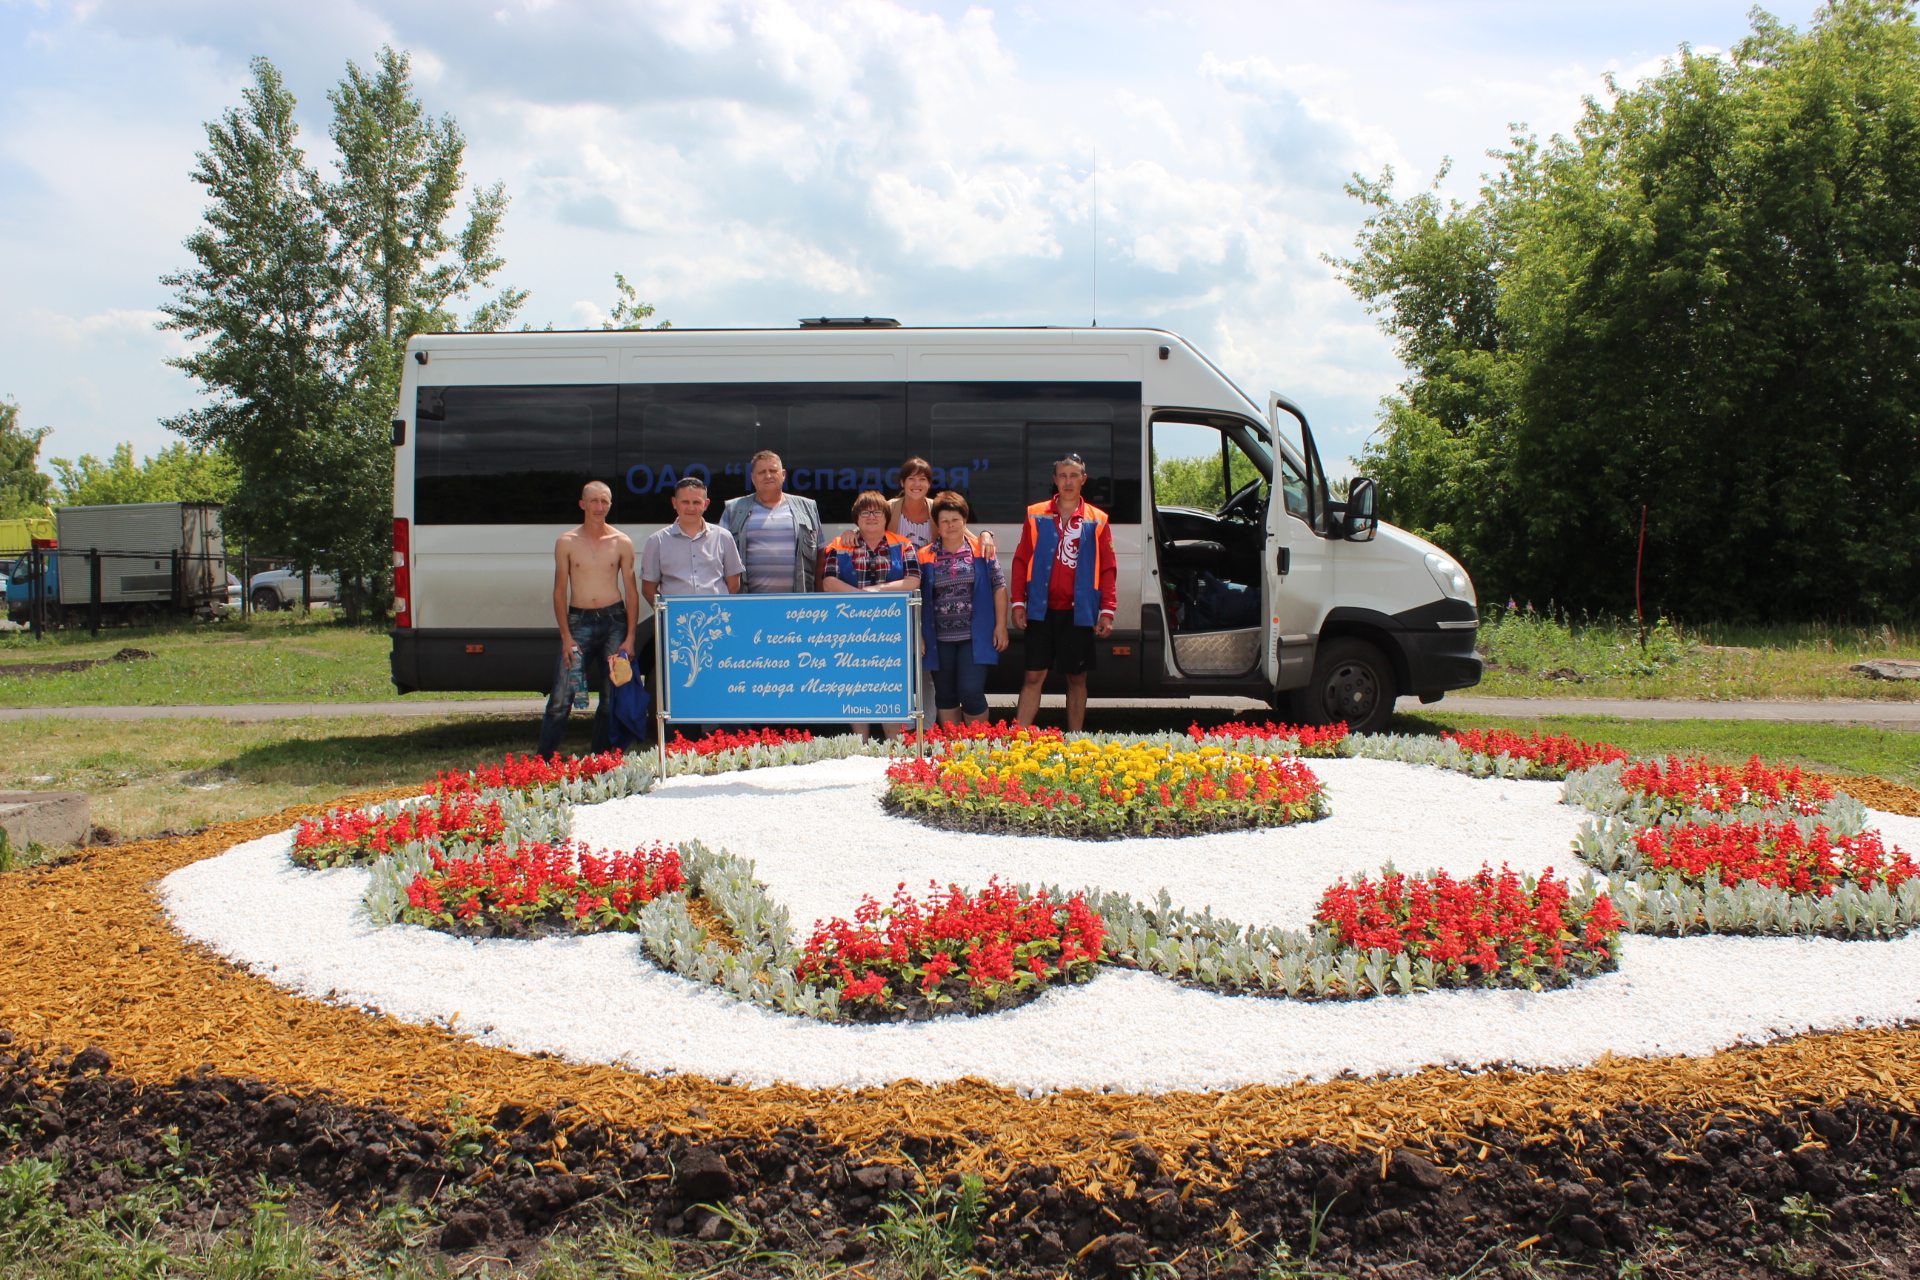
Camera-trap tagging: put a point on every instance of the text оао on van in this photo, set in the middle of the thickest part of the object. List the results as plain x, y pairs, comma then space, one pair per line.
1240, 573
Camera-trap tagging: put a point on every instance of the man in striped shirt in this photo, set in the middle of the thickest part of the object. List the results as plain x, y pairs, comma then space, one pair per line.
778, 532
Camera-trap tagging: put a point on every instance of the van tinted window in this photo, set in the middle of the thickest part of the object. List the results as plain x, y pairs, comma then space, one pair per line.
997, 442
509, 455
835, 439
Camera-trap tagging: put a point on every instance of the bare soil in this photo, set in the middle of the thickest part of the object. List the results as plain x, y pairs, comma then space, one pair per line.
1821, 1192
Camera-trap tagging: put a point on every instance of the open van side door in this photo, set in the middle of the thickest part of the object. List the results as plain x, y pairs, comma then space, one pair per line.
1299, 559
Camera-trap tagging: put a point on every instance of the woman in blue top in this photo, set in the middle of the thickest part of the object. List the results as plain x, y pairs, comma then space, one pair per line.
964, 612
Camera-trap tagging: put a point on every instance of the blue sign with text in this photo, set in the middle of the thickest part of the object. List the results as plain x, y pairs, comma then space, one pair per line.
789, 659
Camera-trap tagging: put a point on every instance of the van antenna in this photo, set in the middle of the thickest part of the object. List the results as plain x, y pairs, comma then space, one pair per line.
1096, 235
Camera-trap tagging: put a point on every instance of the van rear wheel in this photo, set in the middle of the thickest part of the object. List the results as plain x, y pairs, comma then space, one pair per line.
1352, 682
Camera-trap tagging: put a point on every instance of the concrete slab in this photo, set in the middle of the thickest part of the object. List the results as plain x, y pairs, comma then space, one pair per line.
48, 818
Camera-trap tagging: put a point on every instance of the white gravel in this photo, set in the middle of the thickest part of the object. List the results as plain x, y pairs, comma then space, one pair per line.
820, 841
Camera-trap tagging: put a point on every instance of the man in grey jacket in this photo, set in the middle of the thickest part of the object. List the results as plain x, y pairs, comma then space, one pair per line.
778, 533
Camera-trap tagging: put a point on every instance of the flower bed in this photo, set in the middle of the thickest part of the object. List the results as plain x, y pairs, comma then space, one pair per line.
954, 952
1682, 784
985, 731
721, 740
1550, 755
1493, 929
1089, 790
539, 889
350, 837
1776, 854
526, 774
1319, 741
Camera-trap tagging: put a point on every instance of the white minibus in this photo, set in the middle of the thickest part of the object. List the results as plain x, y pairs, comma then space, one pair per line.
1240, 571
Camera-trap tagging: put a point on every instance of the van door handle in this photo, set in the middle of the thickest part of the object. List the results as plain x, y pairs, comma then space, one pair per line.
1283, 559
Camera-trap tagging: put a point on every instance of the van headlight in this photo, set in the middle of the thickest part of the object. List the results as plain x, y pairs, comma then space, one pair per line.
1450, 577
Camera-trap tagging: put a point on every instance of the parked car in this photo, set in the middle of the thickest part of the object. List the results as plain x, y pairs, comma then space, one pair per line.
280, 589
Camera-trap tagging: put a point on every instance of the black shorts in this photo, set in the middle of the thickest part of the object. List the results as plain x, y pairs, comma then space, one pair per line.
1054, 643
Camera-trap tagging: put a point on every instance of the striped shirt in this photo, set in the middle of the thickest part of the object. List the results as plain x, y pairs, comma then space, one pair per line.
770, 549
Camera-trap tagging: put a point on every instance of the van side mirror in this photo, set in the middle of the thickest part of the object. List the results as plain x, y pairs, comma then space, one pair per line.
1363, 519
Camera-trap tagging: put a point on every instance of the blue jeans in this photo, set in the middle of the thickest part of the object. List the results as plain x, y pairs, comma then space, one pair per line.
598, 632
959, 681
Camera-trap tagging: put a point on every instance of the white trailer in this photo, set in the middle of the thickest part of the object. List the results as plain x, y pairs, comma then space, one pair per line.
153, 557
1240, 571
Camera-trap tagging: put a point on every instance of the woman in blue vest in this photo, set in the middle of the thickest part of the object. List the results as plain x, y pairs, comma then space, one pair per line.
868, 558
963, 616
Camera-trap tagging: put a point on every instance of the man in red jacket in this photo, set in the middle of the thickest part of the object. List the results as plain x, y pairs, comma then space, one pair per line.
1065, 582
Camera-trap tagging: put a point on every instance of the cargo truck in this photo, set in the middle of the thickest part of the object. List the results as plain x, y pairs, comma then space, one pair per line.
136, 561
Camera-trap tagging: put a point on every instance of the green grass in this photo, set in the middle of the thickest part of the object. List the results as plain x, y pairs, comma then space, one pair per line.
1892, 754
919, 1238
147, 776
271, 658
1530, 654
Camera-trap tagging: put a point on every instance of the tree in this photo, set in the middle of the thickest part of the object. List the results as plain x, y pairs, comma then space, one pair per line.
267, 296
177, 473
1707, 301
23, 488
399, 181
306, 291
628, 311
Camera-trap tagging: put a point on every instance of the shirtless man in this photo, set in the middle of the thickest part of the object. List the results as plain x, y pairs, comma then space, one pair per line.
595, 601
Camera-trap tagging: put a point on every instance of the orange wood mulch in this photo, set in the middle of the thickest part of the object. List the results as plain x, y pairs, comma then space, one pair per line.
86, 957
1877, 793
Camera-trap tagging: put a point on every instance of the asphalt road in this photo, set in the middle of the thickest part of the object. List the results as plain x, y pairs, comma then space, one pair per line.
1888, 715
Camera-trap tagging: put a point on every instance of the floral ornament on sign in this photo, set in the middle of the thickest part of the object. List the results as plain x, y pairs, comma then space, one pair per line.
694, 632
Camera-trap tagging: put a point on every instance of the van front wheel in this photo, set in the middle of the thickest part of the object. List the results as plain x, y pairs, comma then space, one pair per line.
1352, 681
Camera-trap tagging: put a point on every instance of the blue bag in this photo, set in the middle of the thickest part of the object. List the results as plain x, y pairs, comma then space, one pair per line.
627, 712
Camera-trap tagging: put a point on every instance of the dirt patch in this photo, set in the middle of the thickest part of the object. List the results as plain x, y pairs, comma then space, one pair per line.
1681, 1191
72, 664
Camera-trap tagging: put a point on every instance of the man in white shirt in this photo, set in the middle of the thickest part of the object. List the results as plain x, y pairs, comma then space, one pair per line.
778, 533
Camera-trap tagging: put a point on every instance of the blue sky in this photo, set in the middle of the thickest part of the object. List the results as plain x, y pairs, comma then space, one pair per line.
749, 163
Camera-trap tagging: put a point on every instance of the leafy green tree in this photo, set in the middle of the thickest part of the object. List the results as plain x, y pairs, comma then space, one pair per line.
266, 296
399, 181
306, 290
177, 473
24, 489
1706, 301
628, 311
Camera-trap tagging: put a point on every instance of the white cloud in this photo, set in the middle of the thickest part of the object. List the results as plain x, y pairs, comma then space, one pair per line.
749, 161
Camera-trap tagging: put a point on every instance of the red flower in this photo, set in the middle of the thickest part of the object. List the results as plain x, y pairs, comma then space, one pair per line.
1470, 929
515, 890
1556, 751
994, 937
1775, 854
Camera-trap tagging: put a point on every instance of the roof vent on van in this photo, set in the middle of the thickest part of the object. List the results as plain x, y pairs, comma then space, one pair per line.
849, 322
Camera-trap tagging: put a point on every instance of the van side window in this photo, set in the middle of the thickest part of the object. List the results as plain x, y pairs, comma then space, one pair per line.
509, 455
835, 439
997, 442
